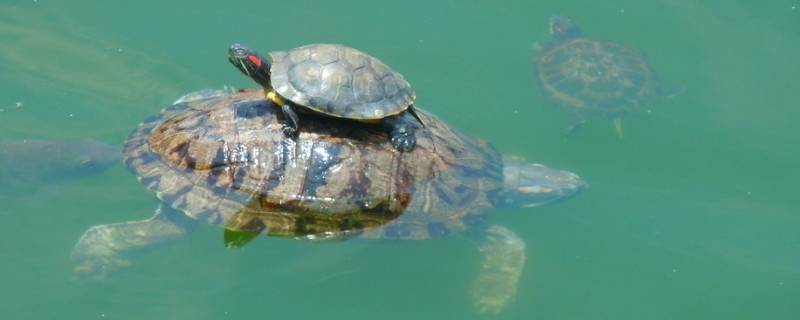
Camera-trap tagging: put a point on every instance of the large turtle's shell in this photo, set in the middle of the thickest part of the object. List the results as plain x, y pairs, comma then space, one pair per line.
339, 81
227, 157
596, 75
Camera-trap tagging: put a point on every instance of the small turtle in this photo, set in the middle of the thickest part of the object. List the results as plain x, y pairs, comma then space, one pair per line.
335, 81
225, 160
593, 76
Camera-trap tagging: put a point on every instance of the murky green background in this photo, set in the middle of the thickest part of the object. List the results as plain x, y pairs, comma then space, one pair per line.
693, 215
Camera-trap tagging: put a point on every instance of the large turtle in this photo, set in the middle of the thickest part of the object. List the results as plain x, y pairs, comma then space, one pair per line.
335, 81
594, 76
224, 160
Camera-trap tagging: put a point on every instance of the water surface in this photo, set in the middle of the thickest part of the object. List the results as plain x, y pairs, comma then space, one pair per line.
693, 215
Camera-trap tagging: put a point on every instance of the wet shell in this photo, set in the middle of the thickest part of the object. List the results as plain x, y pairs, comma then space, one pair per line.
226, 161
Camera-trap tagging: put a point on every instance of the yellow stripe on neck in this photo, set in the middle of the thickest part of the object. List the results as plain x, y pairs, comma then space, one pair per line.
275, 98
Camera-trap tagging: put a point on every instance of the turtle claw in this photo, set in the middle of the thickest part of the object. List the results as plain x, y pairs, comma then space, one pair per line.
289, 130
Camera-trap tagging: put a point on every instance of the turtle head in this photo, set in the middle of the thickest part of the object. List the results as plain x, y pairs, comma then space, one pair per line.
95, 155
563, 28
250, 63
76, 158
532, 184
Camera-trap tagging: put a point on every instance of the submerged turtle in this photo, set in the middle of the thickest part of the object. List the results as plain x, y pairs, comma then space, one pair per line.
29, 163
594, 76
335, 81
224, 160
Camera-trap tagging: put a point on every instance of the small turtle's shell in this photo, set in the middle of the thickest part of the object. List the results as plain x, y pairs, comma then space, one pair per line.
596, 76
339, 81
226, 161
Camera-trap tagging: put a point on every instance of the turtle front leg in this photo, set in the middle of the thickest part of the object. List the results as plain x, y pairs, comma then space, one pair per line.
401, 130
291, 122
576, 122
105, 248
503, 261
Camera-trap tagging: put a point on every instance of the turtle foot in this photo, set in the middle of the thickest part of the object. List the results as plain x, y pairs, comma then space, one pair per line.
401, 130
103, 249
291, 121
503, 261
289, 131
95, 255
404, 142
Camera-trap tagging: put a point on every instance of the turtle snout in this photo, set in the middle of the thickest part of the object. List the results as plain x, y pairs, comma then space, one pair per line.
572, 181
536, 184
238, 51
567, 183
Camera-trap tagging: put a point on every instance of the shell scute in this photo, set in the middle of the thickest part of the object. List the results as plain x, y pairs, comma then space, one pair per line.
339, 81
596, 75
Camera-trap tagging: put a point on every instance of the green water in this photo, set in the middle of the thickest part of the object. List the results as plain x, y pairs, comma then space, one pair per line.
693, 215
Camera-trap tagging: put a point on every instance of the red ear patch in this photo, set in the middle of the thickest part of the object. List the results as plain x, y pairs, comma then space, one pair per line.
255, 60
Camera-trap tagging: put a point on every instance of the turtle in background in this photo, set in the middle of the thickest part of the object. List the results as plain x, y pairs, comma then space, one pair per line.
224, 160
26, 164
335, 81
593, 76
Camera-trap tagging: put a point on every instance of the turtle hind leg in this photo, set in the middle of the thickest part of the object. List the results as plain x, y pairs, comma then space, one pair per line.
617, 121
401, 130
105, 248
503, 255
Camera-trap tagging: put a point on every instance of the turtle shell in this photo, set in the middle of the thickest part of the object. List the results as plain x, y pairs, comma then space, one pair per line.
226, 161
596, 75
340, 82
